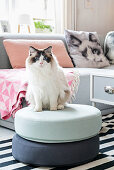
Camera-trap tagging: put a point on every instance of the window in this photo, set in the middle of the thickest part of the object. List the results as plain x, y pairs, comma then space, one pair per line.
4, 9
44, 12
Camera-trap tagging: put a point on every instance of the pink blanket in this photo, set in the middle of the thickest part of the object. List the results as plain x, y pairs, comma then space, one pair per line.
13, 86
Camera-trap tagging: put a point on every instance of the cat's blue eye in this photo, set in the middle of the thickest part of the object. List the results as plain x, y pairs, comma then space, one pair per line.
45, 58
36, 58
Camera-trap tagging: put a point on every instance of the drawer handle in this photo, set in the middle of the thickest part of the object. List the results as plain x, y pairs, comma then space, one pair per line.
109, 89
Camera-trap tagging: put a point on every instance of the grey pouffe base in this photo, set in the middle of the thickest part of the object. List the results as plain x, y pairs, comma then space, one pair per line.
55, 154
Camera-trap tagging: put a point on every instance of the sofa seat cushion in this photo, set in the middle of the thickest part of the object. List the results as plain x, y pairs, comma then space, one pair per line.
74, 123
88, 71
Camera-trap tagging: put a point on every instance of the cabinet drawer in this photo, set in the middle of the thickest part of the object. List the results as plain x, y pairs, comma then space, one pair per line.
99, 84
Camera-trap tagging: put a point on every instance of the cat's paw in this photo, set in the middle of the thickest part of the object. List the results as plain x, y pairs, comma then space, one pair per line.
36, 109
60, 107
53, 108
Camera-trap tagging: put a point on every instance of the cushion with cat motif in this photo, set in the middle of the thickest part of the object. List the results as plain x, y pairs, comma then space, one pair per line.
18, 51
85, 49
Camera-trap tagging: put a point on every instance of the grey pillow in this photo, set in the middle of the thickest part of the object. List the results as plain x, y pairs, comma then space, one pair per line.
109, 46
85, 49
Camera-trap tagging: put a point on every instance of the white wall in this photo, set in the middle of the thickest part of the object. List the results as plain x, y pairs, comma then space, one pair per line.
100, 17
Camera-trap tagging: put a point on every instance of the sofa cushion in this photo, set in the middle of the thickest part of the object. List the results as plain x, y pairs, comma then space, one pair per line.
109, 46
85, 49
18, 50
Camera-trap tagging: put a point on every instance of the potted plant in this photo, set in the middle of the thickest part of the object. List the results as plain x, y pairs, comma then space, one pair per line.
42, 27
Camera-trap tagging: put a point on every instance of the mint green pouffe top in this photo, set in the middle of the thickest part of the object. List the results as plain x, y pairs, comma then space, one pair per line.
74, 123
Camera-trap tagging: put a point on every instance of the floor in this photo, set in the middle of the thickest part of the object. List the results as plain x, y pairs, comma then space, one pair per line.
4, 132
105, 159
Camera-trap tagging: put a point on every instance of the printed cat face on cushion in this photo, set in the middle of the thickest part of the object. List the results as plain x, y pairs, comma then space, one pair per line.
41, 58
85, 50
90, 49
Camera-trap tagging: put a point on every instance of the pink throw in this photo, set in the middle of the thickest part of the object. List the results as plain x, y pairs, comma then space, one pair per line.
13, 86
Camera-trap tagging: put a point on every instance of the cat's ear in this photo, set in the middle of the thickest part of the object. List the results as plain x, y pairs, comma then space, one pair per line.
92, 37
75, 41
48, 50
32, 50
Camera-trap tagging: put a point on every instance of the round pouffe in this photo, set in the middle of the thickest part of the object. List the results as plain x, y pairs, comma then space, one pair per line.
74, 123
56, 154
57, 138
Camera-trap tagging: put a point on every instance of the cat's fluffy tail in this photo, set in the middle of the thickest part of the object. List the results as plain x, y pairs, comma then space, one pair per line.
64, 97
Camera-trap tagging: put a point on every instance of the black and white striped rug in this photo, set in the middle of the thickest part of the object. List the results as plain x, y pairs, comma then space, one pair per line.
105, 159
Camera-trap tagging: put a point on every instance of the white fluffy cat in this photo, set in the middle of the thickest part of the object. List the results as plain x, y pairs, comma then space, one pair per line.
47, 85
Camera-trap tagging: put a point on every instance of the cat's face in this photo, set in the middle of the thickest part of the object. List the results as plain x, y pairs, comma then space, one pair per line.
40, 58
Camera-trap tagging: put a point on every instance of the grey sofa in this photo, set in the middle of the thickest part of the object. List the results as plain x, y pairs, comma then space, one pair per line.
84, 87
